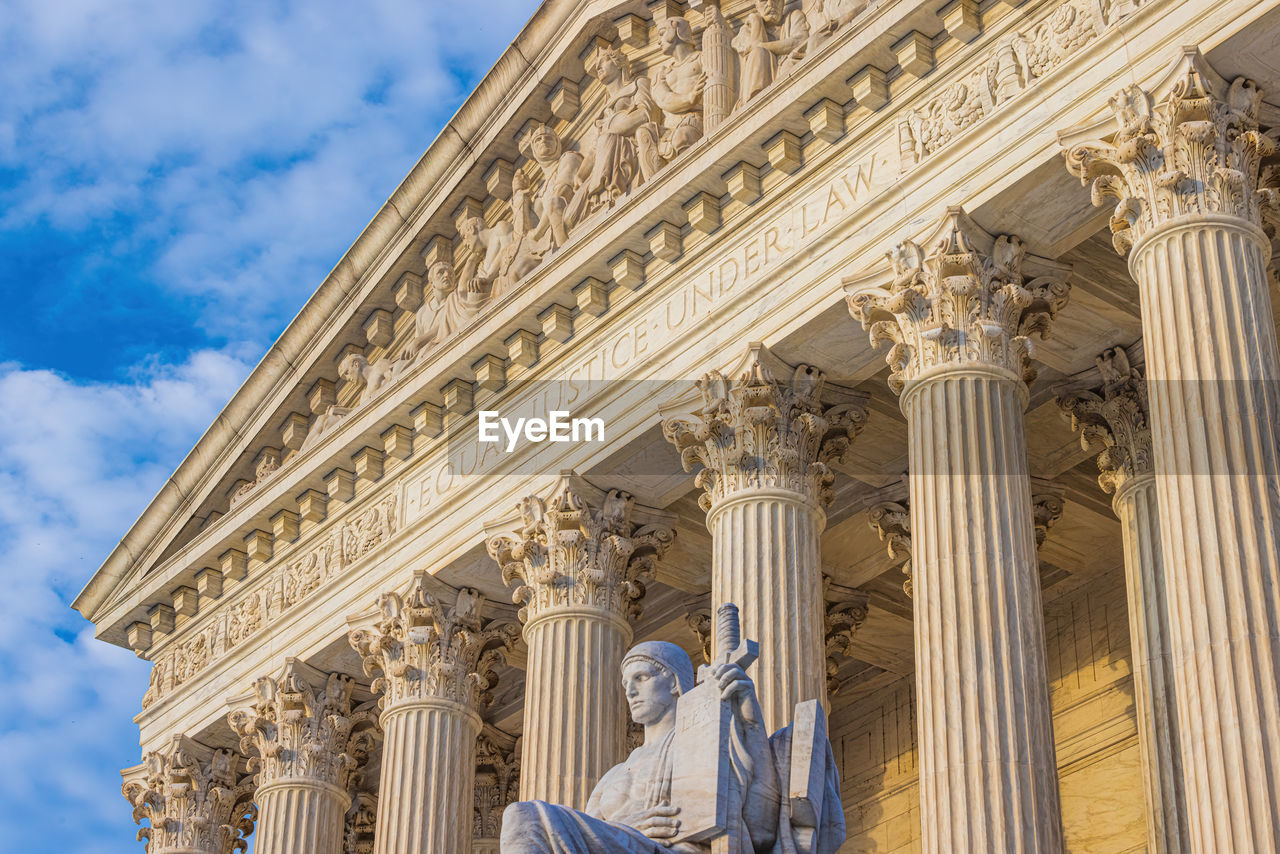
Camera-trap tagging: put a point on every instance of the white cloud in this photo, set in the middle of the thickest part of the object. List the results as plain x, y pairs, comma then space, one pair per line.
78, 462
252, 140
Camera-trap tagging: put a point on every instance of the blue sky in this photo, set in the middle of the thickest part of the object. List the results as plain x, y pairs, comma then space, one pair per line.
175, 180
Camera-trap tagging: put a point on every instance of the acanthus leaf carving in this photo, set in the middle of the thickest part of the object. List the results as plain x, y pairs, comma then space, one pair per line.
291, 729
844, 616
769, 428
194, 799
1191, 145
1113, 419
891, 520
422, 647
582, 549
971, 300
497, 785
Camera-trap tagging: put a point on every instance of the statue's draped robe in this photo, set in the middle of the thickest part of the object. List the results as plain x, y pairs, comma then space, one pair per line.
536, 827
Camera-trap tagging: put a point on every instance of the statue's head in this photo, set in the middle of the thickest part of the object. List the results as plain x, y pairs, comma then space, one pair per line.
471, 229
608, 64
441, 277
675, 29
541, 143
654, 675
769, 10
351, 367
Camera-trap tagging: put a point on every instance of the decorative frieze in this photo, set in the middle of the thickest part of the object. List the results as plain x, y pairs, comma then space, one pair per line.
970, 299
195, 799
288, 585
1013, 65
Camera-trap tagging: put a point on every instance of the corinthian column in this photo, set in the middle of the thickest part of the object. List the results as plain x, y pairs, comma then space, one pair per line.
765, 442
305, 744
197, 800
436, 669
1114, 420
581, 560
1184, 171
959, 317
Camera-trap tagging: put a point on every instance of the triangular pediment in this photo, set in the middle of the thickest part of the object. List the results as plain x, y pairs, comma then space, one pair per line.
604, 143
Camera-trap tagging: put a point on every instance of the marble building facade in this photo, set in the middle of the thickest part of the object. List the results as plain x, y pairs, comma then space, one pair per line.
938, 336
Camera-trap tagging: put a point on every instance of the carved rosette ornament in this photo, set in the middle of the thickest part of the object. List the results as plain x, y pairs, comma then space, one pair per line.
1192, 147
1113, 420
769, 429
422, 648
580, 549
970, 300
195, 799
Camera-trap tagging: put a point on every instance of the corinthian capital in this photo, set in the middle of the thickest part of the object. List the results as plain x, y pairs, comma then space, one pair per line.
891, 520
584, 548
194, 798
1113, 419
1191, 144
844, 617
774, 427
970, 300
292, 729
423, 647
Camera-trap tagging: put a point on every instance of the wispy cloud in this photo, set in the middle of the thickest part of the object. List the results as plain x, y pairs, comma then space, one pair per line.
175, 180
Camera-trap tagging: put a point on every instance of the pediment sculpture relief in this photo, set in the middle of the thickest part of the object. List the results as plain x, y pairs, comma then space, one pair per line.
643, 122
707, 774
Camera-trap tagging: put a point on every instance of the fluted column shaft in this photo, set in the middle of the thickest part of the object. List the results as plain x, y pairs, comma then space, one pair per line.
1212, 366
1185, 165
582, 558
959, 316
575, 714
297, 814
988, 776
765, 559
426, 792
1137, 507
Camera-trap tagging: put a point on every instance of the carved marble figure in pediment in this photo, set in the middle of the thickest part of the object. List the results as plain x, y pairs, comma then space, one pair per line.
447, 309
550, 203
621, 148
678, 85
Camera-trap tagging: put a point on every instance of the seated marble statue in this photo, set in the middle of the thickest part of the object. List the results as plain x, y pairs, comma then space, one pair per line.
636, 808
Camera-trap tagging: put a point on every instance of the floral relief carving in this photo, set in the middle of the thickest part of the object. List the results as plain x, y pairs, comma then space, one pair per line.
1192, 146
497, 785
1012, 66
765, 431
194, 798
292, 730
422, 647
289, 584
581, 548
1114, 420
972, 299
360, 825
843, 619
891, 520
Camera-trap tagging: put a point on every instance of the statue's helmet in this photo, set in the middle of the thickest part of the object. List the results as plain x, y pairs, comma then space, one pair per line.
671, 658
